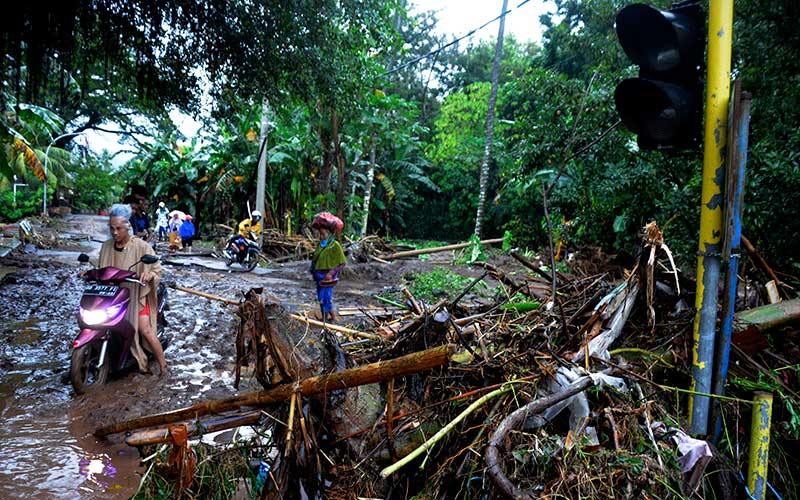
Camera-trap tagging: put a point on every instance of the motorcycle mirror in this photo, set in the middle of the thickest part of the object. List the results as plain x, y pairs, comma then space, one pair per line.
83, 258
150, 259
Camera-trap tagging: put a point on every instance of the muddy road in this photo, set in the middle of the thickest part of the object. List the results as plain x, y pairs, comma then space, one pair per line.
47, 448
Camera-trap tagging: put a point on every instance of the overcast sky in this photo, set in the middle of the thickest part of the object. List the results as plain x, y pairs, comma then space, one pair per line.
456, 18
459, 17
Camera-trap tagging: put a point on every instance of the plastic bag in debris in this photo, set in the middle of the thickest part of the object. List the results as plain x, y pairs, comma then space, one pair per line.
578, 404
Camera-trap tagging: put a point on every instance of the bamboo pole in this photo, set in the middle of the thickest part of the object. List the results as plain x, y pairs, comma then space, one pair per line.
335, 328
423, 251
361, 375
761, 319
388, 471
205, 295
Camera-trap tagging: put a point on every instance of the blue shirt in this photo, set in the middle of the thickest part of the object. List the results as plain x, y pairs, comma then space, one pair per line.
186, 230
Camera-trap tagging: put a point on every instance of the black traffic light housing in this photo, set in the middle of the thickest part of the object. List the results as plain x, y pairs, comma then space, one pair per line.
664, 105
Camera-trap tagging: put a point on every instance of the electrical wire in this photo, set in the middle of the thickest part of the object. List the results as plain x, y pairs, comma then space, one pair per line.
443, 47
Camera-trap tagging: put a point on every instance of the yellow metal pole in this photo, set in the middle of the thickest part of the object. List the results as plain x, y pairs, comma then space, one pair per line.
720, 31
759, 445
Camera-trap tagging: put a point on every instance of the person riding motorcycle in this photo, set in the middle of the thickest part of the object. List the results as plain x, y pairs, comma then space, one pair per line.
252, 224
249, 229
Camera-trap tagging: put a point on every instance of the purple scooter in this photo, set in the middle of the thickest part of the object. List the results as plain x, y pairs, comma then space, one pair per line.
103, 344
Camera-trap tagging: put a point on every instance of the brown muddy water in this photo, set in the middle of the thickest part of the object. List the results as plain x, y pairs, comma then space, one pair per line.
47, 449
43, 454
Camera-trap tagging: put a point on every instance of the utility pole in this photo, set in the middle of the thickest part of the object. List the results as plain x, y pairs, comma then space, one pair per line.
262, 165
718, 82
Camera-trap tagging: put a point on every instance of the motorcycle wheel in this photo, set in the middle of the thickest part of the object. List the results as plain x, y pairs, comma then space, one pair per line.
251, 260
83, 371
226, 255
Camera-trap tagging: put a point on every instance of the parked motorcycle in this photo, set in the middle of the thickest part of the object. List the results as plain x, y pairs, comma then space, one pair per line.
103, 345
243, 251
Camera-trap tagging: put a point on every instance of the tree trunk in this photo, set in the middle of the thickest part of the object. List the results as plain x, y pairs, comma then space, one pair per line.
323, 183
423, 251
487, 150
375, 372
368, 186
342, 173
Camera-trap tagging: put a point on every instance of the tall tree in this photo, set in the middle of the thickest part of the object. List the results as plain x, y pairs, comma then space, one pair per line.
484, 171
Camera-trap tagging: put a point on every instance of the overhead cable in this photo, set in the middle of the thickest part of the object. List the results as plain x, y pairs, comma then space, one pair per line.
470, 33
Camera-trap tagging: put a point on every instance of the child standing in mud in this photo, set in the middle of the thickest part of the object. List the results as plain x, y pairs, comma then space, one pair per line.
327, 261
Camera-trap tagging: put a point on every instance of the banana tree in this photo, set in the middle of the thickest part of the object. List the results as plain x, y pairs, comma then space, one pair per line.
167, 170
27, 135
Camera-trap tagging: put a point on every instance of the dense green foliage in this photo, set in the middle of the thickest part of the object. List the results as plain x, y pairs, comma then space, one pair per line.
348, 119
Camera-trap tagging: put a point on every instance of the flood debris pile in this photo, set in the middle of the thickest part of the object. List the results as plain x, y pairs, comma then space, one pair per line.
280, 247
525, 397
26, 231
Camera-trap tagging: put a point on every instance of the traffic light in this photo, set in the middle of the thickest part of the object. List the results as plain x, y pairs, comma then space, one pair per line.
664, 105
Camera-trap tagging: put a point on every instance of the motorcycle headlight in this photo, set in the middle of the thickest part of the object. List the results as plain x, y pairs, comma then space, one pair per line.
99, 316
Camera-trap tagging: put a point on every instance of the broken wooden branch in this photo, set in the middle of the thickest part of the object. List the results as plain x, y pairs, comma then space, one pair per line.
375, 372
423, 251
533, 267
156, 436
759, 261
412, 300
492, 454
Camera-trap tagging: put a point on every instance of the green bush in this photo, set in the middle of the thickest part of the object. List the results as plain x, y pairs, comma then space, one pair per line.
95, 187
28, 203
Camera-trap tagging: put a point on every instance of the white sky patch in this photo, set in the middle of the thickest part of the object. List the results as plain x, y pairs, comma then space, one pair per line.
187, 125
459, 17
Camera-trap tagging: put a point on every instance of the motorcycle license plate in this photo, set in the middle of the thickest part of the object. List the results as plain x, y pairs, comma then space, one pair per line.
101, 290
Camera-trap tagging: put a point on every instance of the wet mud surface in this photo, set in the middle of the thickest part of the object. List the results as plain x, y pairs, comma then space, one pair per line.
48, 450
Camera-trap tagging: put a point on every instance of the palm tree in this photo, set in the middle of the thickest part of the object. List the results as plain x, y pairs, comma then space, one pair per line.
484, 175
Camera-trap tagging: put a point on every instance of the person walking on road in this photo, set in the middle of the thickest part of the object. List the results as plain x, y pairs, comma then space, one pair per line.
174, 225
326, 263
186, 232
162, 221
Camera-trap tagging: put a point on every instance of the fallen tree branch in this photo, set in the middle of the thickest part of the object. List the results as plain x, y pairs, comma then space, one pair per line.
156, 436
530, 265
361, 375
205, 295
759, 261
423, 251
491, 455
